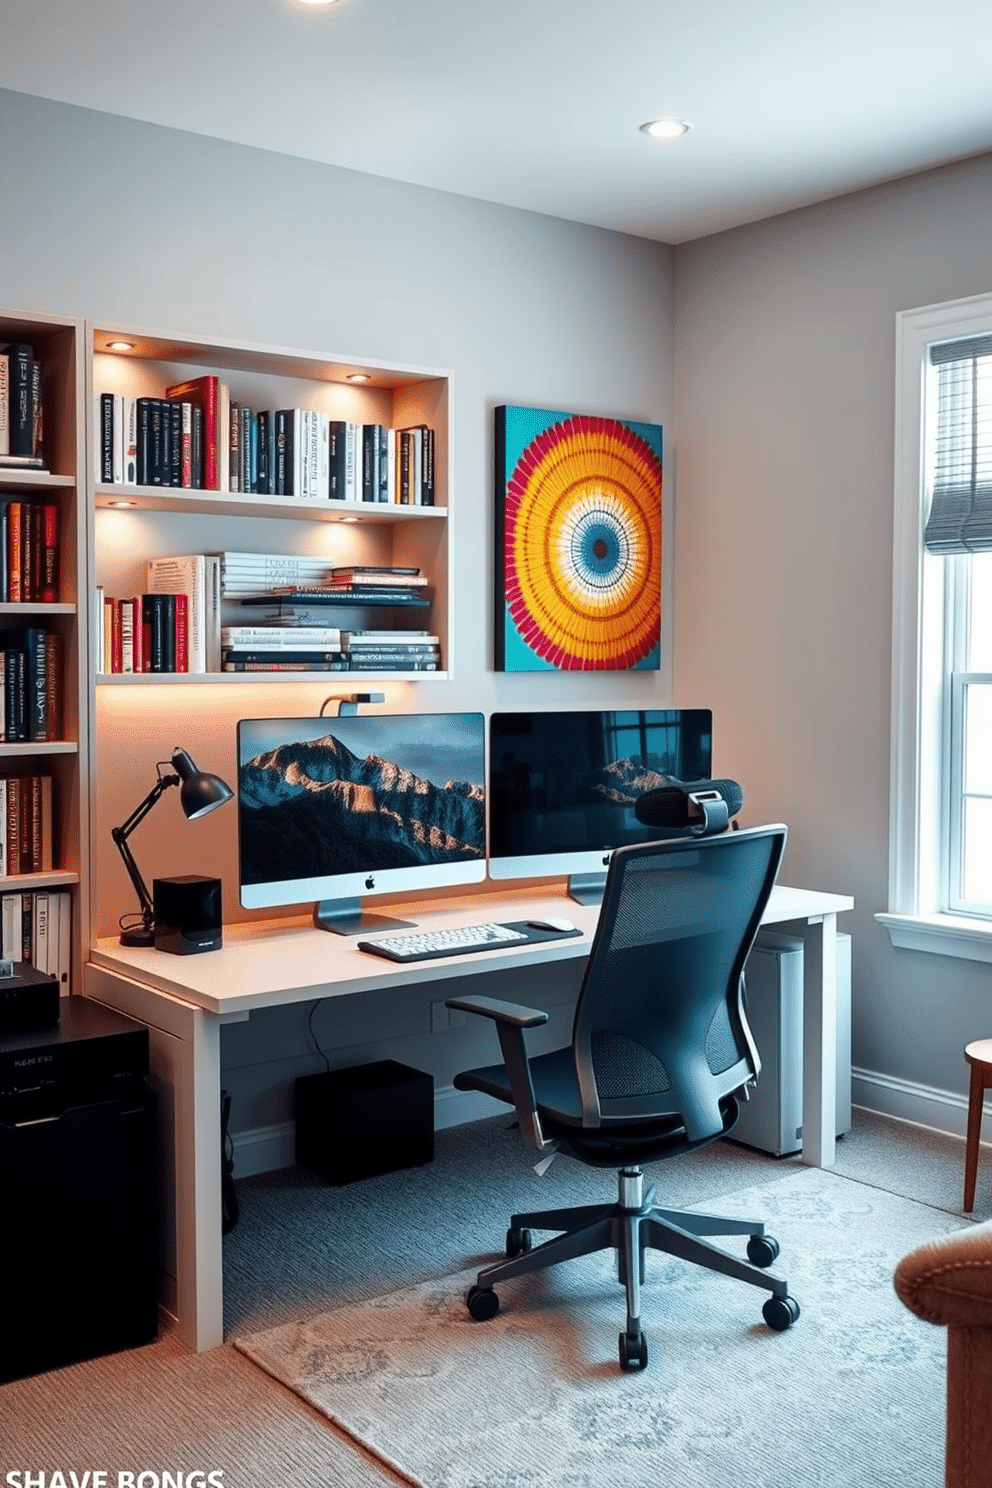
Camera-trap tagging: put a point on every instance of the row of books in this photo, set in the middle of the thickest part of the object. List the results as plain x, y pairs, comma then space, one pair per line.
31, 669
37, 927
196, 438
261, 648
25, 824
21, 406
29, 551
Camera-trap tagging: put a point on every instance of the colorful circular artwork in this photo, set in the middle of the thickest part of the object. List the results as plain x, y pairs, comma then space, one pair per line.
583, 545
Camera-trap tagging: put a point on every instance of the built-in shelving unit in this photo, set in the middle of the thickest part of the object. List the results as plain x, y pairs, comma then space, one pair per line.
58, 346
172, 520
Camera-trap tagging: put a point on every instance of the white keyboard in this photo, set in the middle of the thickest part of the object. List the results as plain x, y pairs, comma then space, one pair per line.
427, 945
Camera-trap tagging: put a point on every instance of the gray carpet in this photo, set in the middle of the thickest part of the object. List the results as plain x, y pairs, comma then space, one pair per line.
302, 1248
535, 1396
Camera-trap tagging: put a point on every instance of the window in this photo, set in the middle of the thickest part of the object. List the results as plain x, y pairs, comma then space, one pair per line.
940, 885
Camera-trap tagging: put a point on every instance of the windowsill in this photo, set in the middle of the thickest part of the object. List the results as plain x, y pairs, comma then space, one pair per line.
940, 934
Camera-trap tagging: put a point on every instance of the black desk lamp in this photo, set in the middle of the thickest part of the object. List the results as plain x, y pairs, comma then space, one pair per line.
199, 794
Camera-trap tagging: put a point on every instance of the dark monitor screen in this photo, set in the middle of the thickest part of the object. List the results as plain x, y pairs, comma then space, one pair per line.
332, 809
562, 785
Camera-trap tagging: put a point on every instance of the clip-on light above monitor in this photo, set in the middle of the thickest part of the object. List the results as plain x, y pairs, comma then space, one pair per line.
199, 794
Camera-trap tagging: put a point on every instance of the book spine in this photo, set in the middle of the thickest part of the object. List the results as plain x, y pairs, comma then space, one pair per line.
55, 682
181, 624
196, 447
41, 951
143, 453
37, 409
106, 426
286, 666
129, 418
234, 435
283, 434
4, 403
14, 827
167, 603
137, 634
37, 684
279, 656
37, 857
127, 635
50, 553
11, 943
153, 623
118, 438
4, 864
158, 465
116, 649
21, 435
262, 441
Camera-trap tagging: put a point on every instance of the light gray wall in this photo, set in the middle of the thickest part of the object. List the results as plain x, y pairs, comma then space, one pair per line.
783, 459
135, 225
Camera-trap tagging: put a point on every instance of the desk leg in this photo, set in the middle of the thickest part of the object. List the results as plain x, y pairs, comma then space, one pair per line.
820, 1041
184, 1048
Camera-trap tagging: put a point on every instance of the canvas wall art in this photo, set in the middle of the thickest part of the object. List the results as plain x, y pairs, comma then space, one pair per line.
578, 542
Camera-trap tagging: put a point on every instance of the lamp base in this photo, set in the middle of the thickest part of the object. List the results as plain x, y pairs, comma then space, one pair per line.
139, 935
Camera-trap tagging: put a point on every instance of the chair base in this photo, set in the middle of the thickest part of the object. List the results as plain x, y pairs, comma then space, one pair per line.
631, 1226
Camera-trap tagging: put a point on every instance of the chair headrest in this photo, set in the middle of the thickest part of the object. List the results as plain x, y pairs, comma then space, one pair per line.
695, 808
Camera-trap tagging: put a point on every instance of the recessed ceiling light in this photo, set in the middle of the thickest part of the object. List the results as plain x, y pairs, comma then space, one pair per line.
359, 377
665, 129
315, 2
120, 345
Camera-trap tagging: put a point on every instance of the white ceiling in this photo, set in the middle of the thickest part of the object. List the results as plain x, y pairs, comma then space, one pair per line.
536, 103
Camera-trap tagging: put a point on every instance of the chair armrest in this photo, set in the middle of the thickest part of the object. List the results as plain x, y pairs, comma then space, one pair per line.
511, 1019
949, 1281
511, 1013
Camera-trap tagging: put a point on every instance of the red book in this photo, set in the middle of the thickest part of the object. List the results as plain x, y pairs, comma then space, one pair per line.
116, 652
182, 633
138, 641
206, 392
50, 554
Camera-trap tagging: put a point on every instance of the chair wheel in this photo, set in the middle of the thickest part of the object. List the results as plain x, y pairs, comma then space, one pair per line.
482, 1303
780, 1313
762, 1250
633, 1351
518, 1242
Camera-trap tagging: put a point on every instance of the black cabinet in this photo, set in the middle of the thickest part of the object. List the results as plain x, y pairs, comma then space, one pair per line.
78, 1187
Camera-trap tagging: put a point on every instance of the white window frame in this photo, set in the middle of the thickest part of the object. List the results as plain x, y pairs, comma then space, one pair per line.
921, 630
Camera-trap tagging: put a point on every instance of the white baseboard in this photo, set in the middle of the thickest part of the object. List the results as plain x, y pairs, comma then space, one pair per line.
923, 1105
267, 1148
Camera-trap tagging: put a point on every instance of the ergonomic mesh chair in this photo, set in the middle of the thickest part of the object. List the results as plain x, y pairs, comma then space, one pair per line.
661, 1054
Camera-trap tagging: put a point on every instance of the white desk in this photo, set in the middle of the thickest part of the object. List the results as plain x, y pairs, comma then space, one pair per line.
185, 999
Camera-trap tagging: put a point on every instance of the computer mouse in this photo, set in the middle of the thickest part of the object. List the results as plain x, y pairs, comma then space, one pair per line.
553, 923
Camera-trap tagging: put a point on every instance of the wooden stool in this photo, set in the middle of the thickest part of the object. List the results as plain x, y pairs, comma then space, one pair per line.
979, 1056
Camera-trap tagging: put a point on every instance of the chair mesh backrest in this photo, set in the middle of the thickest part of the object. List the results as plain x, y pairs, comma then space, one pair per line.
660, 1026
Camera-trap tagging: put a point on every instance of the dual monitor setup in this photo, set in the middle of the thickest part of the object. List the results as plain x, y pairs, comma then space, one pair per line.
331, 810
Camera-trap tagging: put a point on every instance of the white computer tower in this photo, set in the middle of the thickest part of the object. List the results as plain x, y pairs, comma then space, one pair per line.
772, 1119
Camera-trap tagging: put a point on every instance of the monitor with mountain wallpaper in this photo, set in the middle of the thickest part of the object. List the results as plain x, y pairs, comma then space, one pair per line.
333, 809
563, 786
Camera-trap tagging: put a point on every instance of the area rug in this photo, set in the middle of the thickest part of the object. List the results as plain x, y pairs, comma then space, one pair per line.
852, 1394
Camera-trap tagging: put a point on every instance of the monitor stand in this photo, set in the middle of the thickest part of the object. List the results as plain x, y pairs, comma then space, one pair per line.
346, 917
586, 888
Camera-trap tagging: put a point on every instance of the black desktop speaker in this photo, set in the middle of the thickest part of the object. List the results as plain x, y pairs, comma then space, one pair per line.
187, 914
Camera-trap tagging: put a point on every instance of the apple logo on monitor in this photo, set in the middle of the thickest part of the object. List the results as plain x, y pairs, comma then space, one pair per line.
606, 861
370, 882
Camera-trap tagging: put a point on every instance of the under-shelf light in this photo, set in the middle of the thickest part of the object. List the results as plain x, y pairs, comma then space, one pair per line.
120, 345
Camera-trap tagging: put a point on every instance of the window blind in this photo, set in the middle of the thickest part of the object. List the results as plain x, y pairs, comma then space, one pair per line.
960, 519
